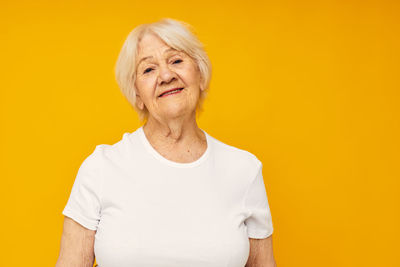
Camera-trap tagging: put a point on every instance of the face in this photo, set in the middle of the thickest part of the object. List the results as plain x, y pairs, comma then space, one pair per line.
161, 68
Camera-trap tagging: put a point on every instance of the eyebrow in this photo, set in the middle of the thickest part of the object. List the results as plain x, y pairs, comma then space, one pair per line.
144, 58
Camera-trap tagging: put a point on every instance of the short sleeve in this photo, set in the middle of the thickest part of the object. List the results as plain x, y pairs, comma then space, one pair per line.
84, 203
259, 220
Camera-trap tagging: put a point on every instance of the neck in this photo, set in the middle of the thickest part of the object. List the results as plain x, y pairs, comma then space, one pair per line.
174, 133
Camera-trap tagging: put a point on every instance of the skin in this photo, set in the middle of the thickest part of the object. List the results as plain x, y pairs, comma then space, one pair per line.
171, 129
261, 253
171, 126
77, 245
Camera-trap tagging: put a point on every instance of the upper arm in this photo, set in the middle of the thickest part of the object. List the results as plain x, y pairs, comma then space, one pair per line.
84, 203
77, 245
82, 214
261, 253
259, 220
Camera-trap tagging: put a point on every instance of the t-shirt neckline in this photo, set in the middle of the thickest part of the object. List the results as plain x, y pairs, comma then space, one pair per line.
164, 160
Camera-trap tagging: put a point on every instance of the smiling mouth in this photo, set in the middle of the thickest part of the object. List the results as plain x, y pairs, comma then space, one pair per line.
172, 91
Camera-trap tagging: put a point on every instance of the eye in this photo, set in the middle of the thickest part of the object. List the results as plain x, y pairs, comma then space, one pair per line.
178, 61
147, 70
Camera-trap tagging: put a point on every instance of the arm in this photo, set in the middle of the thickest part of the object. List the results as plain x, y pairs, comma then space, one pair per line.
261, 253
77, 245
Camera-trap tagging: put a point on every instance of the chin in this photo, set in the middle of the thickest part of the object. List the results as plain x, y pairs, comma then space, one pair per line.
175, 112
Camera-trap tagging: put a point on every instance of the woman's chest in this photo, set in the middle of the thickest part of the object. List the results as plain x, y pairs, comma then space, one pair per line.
171, 221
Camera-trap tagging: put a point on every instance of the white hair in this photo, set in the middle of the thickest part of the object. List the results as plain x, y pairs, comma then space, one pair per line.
178, 35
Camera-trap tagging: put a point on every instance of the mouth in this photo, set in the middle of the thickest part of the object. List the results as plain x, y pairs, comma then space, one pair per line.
171, 91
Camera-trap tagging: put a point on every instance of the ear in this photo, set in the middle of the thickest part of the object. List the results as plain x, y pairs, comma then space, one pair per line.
200, 76
139, 102
201, 84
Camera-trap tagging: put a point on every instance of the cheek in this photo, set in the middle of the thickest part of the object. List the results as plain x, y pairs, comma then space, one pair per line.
192, 75
144, 85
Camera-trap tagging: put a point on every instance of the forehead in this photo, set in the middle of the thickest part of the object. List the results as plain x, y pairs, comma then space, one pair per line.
151, 43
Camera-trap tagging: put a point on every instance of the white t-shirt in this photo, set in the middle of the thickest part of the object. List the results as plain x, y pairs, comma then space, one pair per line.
150, 211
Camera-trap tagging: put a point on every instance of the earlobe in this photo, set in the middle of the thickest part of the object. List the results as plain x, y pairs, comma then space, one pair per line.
141, 105
139, 102
201, 84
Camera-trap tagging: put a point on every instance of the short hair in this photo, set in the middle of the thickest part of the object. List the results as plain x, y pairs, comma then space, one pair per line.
178, 35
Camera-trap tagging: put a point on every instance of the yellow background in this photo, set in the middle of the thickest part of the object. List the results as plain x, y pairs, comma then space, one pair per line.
310, 87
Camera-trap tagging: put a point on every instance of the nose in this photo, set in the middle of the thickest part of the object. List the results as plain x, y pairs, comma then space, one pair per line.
165, 75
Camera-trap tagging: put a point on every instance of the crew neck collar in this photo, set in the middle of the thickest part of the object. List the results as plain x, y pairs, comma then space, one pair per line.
164, 160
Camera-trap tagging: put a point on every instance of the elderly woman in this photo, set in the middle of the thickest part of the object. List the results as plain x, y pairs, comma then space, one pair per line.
167, 194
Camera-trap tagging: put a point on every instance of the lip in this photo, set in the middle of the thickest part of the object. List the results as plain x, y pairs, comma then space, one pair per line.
171, 90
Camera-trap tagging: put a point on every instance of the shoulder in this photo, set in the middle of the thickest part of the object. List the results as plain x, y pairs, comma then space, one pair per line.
93, 161
112, 154
235, 155
107, 149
